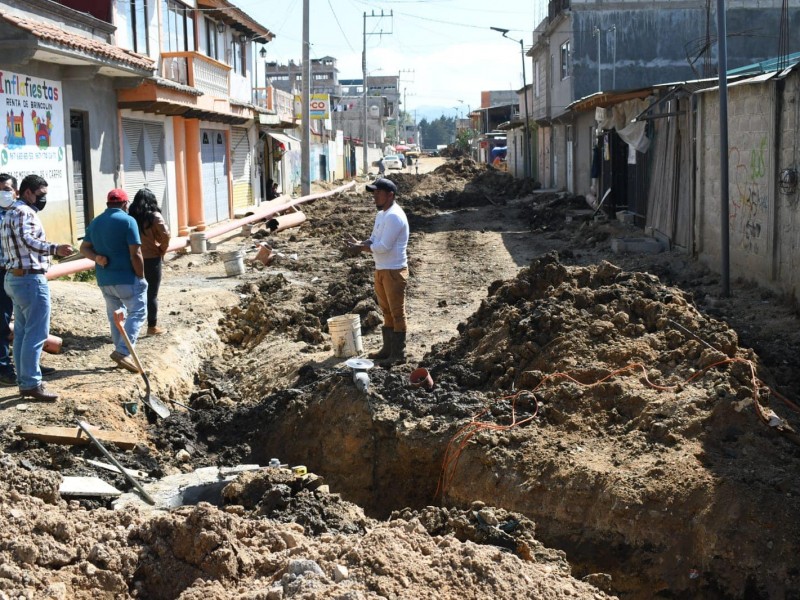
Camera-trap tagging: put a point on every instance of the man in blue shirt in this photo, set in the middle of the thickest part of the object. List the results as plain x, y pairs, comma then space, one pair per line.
112, 241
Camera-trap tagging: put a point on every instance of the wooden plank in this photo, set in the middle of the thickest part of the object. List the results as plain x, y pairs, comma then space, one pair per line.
87, 486
74, 436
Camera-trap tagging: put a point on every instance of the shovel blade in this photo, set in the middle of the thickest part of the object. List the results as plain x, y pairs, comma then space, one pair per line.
154, 404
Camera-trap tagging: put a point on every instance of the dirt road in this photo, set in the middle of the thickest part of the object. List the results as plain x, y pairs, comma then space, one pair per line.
594, 429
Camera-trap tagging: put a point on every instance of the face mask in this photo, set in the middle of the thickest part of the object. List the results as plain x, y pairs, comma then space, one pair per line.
6, 198
41, 202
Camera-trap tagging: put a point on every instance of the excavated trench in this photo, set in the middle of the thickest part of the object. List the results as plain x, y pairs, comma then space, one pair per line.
594, 406
621, 450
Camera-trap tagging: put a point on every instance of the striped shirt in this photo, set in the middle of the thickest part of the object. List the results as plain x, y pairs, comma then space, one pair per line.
22, 237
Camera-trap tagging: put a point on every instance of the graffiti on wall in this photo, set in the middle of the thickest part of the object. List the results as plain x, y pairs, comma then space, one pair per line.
749, 201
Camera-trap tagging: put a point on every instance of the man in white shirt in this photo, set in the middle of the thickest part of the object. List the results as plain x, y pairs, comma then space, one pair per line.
388, 244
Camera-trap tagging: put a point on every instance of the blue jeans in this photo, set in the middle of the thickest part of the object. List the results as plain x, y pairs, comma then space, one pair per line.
133, 298
6, 309
31, 297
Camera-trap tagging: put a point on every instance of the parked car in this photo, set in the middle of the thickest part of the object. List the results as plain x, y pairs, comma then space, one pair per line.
392, 162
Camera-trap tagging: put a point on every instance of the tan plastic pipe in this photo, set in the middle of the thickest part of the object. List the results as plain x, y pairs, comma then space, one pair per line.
264, 211
276, 224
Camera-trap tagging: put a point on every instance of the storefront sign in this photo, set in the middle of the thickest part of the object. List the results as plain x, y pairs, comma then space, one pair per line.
318, 106
33, 138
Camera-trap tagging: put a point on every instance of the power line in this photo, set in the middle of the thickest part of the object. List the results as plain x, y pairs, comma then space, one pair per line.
336, 18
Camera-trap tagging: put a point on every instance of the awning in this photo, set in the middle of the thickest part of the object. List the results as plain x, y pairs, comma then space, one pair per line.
290, 142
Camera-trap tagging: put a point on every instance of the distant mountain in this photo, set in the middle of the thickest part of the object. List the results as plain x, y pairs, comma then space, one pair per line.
433, 112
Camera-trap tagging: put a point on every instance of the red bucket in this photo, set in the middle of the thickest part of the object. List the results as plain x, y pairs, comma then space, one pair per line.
421, 378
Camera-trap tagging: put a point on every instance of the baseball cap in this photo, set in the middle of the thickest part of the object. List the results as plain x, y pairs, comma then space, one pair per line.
382, 184
117, 196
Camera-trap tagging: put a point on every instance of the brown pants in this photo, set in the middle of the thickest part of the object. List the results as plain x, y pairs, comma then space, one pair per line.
390, 287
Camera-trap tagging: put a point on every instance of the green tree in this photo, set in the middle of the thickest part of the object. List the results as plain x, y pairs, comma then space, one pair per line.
438, 132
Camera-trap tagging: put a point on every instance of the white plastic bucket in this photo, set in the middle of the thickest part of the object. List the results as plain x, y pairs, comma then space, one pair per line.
234, 263
198, 242
345, 333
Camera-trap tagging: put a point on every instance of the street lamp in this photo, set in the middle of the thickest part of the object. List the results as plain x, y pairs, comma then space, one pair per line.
263, 54
526, 133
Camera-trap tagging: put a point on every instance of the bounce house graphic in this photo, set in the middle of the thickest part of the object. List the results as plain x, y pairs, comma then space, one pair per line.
15, 129
42, 129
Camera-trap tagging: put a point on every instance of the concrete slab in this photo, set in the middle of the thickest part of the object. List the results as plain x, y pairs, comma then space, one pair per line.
639, 245
578, 215
204, 484
87, 487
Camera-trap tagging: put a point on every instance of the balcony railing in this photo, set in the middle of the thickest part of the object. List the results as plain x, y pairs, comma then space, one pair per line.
197, 71
276, 101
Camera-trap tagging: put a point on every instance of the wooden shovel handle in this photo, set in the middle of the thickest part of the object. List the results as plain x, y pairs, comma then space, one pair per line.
119, 319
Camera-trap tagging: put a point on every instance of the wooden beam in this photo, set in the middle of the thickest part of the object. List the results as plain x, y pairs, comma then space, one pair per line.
74, 436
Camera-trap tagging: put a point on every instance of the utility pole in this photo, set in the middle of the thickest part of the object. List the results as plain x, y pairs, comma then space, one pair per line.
724, 183
526, 151
596, 33
305, 154
364, 73
402, 137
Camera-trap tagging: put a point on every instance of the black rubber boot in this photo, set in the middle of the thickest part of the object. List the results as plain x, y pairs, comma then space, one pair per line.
397, 356
384, 352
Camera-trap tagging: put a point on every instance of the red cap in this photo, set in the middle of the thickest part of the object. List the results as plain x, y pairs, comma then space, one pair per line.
117, 196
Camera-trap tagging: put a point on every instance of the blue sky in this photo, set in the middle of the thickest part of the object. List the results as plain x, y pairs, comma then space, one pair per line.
443, 50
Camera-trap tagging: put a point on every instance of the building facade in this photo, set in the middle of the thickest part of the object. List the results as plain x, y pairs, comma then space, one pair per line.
586, 47
134, 94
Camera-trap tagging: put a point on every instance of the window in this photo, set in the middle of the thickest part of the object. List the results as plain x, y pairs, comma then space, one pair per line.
538, 79
178, 29
237, 55
212, 42
133, 14
565, 66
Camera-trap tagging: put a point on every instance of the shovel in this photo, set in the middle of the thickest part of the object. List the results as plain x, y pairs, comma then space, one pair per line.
150, 400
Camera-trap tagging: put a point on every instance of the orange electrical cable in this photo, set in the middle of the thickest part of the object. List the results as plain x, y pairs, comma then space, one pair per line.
463, 436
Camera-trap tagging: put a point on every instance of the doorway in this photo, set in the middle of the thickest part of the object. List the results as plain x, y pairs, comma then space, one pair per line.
82, 193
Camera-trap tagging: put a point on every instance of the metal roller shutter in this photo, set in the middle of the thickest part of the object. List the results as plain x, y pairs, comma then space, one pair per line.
241, 167
143, 162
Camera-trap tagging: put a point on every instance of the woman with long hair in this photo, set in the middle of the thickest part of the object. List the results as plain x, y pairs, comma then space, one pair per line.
155, 240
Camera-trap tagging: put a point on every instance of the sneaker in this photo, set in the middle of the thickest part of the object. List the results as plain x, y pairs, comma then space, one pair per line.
46, 370
39, 393
8, 378
124, 361
155, 330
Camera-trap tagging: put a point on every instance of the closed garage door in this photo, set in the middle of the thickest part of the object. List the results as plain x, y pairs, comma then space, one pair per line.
241, 167
143, 162
215, 176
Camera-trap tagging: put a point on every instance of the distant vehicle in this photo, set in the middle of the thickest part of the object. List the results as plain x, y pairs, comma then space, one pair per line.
392, 162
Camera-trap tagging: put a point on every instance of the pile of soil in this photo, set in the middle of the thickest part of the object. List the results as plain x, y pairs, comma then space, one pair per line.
461, 183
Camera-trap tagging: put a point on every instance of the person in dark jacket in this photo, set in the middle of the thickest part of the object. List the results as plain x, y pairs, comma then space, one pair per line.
155, 241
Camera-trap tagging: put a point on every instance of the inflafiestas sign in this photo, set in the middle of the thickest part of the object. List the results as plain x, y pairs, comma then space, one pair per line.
318, 106
33, 139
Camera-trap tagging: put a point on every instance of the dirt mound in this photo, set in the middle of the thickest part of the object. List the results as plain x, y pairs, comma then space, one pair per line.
551, 316
459, 184
280, 495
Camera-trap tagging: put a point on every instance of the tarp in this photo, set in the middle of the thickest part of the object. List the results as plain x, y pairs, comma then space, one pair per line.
291, 143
